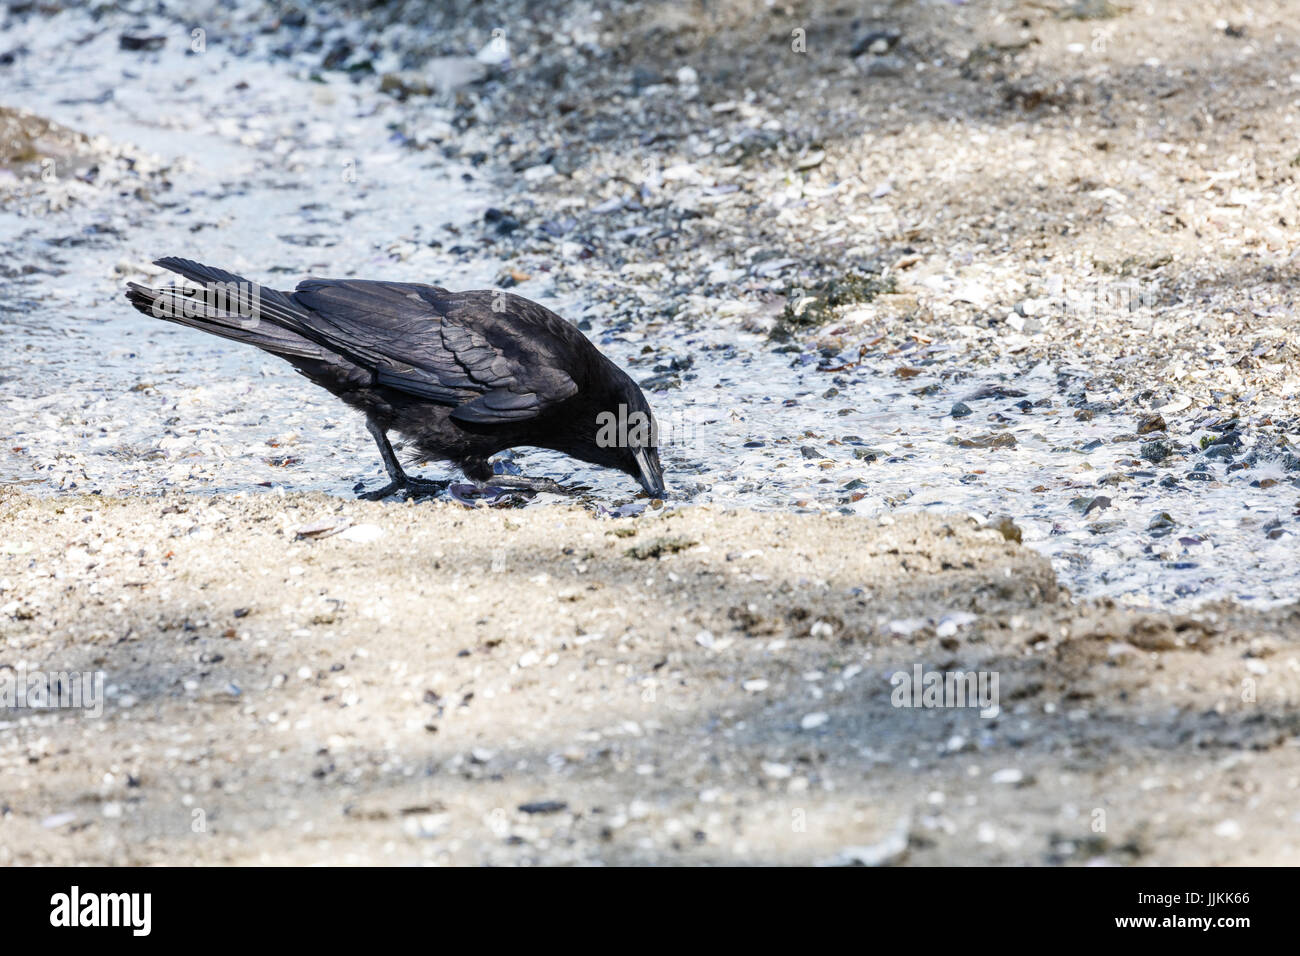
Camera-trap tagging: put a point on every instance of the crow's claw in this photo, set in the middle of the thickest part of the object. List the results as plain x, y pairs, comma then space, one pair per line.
413, 487
390, 489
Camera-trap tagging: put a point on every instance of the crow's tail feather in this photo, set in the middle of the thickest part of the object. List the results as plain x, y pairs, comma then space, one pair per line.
235, 321
269, 304
222, 303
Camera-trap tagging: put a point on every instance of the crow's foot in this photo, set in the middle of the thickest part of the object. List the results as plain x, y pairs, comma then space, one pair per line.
401, 481
414, 488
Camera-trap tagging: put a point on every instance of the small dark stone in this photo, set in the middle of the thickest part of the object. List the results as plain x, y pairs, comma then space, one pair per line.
1230, 438
1008, 528
995, 391
544, 806
643, 76
1162, 524
889, 38
1151, 423
1107, 526
960, 410
338, 55
1156, 451
663, 381
129, 41
1100, 503
504, 222
1004, 440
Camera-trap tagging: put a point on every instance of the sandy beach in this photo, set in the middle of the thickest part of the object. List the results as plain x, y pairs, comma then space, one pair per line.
302, 680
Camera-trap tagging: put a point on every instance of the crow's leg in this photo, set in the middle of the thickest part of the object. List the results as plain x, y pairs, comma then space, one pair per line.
533, 484
401, 481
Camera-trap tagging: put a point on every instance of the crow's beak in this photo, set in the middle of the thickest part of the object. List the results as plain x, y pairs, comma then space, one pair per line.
649, 473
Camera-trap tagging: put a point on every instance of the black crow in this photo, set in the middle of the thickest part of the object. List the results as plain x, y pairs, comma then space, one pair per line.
461, 375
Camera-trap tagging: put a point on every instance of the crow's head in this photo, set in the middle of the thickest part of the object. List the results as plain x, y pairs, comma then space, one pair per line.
624, 434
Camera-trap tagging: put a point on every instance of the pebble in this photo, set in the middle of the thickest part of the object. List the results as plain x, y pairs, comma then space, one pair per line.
1001, 440
1151, 423
875, 42
1228, 829
1156, 451
813, 721
321, 529
886, 852
425, 825
1162, 523
544, 807
362, 533
1089, 505
1007, 527
811, 160
949, 624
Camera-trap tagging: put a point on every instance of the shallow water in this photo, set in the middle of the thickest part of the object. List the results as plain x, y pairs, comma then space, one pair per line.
291, 177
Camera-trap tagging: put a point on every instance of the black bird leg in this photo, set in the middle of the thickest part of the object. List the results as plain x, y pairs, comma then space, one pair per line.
401, 481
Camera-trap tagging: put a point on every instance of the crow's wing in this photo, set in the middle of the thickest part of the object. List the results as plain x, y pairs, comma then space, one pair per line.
497, 358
